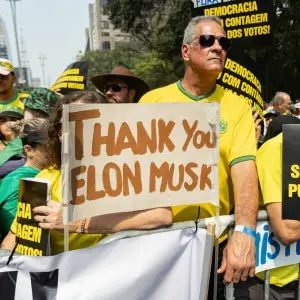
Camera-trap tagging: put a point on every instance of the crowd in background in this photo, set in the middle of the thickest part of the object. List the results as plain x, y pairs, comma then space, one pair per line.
30, 146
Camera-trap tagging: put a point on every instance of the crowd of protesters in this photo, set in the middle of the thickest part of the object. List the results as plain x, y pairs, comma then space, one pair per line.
250, 160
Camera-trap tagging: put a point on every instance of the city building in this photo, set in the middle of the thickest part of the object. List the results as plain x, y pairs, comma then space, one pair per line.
103, 35
24, 76
91, 27
4, 41
36, 82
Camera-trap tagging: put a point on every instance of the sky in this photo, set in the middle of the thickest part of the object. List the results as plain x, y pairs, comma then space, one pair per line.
54, 28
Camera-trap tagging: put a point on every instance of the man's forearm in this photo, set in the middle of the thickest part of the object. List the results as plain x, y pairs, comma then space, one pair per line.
292, 230
245, 186
287, 231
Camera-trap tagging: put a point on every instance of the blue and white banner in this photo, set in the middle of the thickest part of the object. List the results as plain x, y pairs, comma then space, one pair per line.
168, 265
270, 253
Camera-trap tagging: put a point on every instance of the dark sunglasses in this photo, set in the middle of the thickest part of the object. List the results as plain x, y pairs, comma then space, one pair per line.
115, 87
207, 40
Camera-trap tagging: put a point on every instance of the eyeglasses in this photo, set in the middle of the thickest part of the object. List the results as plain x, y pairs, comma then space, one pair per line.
115, 87
207, 40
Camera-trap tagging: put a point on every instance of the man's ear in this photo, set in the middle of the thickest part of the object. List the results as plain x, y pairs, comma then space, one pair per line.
28, 151
132, 94
14, 78
185, 52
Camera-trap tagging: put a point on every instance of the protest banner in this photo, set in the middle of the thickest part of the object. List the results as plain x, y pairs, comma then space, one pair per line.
270, 253
131, 157
239, 76
178, 267
32, 239
74, 78
248, 23
291, 172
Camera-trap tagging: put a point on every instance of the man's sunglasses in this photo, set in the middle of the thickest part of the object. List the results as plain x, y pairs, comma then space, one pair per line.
115, 87
207, 40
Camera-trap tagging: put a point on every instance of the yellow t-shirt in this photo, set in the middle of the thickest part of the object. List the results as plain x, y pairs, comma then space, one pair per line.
269, 166
76, 240
16, 101
237, 142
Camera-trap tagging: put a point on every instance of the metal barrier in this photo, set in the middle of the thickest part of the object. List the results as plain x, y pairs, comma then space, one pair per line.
262, 216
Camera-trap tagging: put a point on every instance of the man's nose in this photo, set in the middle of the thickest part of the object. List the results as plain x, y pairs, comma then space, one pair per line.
216, 46
109, 93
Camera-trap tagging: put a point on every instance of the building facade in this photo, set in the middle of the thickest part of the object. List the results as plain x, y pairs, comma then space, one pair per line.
36, 82
4, 41
24, 77
103, 35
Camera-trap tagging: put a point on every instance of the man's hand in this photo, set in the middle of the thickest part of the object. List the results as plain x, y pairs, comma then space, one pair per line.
50, 216
238, 258
59, 94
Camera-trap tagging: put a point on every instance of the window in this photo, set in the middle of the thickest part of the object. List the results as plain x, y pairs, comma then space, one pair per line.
105, 33
105, 24
106, 45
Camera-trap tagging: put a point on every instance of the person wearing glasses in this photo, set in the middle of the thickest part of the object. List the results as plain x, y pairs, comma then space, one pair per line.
8, 95
121, 86
204, 51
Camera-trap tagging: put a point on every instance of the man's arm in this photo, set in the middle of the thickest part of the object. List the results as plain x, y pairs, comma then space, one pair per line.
239, 254
245, 183
287, 231
144, 219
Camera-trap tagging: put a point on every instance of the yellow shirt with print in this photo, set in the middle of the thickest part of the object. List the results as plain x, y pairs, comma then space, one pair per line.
76, 240
16, 101
237, 142
269, 166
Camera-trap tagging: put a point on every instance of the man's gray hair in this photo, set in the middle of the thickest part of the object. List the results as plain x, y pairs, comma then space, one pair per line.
279, 98
189, 33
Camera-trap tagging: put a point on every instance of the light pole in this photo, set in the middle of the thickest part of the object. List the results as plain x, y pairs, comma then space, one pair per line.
42, 59
14, 15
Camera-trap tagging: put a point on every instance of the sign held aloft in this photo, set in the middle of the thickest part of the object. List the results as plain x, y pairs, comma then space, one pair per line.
131, 157
290, 172
74, 78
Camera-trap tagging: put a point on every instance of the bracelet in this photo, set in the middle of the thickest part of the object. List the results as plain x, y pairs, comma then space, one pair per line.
245, 229
82, 225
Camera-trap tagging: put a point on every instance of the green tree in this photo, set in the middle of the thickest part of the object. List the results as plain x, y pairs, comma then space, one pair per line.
105, 61
146, 65
158, 25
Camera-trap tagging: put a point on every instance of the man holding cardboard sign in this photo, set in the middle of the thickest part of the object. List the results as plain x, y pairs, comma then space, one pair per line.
204, 50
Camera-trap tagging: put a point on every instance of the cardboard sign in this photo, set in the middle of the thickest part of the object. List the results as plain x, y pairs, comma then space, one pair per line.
32, 239
248, 23
74, 78
130, 157
270, 253
291, 173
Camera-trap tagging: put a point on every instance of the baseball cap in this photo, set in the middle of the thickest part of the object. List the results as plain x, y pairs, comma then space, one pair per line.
11, 111
271, 112
6, 67
42, 99
297, 105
